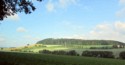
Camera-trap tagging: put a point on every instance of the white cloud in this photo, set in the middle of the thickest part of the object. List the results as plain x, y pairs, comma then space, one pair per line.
74, 36
72, 26
120, 26
75, 29
104, 31
21, 29
50, 7
102, 26
113, 31
121, 12
2, 39
66, 3
63, 4
29, 37
13, 17
122, 2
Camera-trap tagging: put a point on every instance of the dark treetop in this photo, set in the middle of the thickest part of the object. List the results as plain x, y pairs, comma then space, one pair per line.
11, 7
51, 41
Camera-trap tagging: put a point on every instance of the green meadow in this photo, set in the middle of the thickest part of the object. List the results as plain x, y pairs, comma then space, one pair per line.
77, 48
14, 58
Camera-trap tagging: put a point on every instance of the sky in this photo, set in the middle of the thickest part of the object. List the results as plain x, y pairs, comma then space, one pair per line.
78, 19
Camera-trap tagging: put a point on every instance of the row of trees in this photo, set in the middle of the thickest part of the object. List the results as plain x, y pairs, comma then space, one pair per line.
99, 54
51, 41
122, 55
60, 52
101, 47
103, 54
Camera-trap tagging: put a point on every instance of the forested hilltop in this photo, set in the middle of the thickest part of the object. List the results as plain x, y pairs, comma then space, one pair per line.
51, 41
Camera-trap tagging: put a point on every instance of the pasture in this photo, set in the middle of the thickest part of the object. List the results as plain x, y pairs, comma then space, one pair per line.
78, 48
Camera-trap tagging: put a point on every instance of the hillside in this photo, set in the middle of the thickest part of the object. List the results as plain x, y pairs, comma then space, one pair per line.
51, 41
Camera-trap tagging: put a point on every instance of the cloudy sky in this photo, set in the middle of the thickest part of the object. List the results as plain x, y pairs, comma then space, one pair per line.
79, 19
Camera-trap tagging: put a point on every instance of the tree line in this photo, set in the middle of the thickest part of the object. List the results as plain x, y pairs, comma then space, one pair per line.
98, 54
60, 52
66, 42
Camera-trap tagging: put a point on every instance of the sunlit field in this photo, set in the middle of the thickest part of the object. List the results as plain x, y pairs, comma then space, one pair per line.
77, 48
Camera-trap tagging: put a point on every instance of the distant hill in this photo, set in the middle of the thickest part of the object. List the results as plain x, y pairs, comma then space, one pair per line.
51, 41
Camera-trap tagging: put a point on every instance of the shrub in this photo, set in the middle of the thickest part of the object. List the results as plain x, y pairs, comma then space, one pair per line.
122, 55
72, 53
101, 54
45, 51
60, 52
100, 47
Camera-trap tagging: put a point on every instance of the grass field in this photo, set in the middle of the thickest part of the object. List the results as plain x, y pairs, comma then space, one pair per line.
78, 48
14, 58
61, 47
47, 47
75, 47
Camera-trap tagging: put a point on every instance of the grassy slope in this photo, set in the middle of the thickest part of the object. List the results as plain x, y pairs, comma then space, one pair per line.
61, 47
78, 50
42, 59
48, 47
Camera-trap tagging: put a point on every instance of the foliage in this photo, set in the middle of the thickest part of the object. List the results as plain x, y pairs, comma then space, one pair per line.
122, 55
60, 52
72, 53
1, 48
101, 54
45, 51
71, 42
100, 47
118, 46
11, 7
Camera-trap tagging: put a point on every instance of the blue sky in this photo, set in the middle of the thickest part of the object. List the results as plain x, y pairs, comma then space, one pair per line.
79, 19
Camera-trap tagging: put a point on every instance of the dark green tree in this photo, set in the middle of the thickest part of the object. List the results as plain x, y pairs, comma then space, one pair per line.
72, 53
122, 55
1, 48
11, 7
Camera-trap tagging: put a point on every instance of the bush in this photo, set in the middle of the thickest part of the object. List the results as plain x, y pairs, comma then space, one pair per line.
122, 55
101, 54
72, 53
45, 51
60, 52
100, 47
